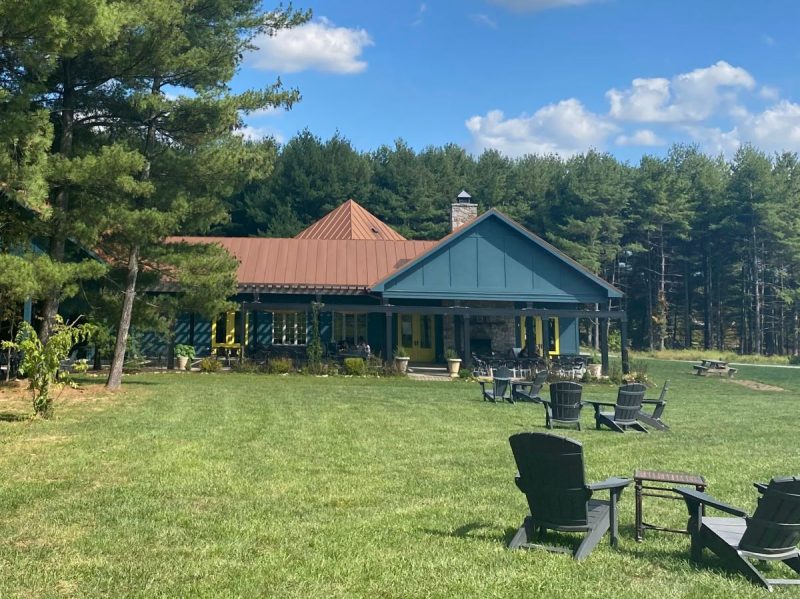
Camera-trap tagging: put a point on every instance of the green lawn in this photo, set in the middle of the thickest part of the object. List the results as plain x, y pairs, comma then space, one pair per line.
249, 485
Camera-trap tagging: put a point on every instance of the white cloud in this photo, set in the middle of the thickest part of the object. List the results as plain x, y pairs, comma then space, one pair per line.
642, 137
318, 45
270, 111
420, 16
481, 19
250, 133
565, 128
688, 97
536, 5
769, 93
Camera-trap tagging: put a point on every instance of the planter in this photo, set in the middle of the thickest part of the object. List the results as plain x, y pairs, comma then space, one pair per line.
183, 361
453, 366
401, 364
595, 370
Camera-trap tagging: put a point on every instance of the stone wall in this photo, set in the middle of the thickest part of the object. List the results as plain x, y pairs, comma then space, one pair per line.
461, 214
498, 330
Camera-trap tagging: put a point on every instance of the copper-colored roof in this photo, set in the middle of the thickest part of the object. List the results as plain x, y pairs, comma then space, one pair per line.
308, 265
350, 221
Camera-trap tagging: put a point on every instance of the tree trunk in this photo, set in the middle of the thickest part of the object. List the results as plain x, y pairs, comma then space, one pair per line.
58, 236
687, 310
757, 299
707, 304
115, 376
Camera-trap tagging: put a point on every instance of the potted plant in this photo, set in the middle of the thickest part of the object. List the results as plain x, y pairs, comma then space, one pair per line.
594, 366
453, 362
184, 353
401, 358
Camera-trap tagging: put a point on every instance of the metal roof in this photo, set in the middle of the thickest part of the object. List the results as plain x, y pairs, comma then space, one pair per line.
350, 221
310, 265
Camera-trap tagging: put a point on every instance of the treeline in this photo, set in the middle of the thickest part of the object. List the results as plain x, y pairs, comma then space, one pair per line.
706, 250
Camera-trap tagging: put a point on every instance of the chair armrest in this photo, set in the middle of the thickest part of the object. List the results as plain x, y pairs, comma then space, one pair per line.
613, 482
694, 497
654, 402
598, 403
762, 487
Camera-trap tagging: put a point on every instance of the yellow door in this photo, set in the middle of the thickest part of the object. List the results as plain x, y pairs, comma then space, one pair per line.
415, 332
555, 333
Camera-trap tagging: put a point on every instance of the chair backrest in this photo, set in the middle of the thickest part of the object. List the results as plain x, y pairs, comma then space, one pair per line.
538, 381
565, 401
629, 402
775, 525
551, 475
501, 381
664, 389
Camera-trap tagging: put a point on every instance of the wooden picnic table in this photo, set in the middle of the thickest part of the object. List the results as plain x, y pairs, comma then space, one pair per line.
718, 367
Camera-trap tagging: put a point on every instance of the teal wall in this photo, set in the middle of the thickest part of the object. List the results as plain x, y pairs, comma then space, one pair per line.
494, 261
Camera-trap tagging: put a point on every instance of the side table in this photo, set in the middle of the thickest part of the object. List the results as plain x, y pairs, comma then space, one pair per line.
670, 479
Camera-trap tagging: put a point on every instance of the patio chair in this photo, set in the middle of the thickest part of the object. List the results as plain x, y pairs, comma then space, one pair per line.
564, 406
530, 391
551, 474
501, 387
626, 410
770, 534
654, 419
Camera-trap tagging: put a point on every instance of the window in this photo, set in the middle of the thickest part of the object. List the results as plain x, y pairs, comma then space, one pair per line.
349, 328
288, 328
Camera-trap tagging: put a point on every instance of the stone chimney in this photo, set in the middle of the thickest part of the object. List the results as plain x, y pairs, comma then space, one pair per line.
462, 211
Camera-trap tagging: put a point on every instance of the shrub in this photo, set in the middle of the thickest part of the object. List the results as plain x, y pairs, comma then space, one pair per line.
184, 351
210, 364
400, 352
280, 366
451, 354
355, 366
246, 366
41, 363
465, 373
794, 360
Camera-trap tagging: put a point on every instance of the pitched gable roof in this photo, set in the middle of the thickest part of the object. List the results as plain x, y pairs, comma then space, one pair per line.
313, 265
464, 230
350, 221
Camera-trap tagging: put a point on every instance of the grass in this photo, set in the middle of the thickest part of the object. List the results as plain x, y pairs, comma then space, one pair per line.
711, 354
235, 485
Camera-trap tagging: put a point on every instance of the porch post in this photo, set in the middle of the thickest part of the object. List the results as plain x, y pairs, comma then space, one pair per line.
546, 338
467, 351
623, 335
389, 345
244, 334
604, 345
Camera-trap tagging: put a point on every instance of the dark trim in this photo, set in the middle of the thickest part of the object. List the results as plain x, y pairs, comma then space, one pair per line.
452, 310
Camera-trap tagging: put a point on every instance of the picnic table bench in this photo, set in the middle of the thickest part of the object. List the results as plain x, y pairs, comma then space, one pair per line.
718, 367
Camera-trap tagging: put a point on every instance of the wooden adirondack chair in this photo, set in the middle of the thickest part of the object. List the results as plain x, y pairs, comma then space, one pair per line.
530, 391
626, 410
654, 419
564, 406
501, 387
770, 534
551, 474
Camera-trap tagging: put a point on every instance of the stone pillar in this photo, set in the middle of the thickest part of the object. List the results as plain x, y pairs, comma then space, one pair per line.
462, 211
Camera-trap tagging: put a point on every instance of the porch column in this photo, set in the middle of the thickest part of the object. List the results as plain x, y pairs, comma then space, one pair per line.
467, 350
623, 335
604, 345
530, 335
170, 348
546, 338
244, 334
389, 345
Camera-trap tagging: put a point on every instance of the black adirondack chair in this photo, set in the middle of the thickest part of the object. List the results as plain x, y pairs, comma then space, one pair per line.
626, 410
530, 391
551, 474
564, 406
501, 387
770, 534
654, 418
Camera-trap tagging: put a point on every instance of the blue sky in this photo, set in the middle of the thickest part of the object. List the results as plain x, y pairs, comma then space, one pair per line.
534, 76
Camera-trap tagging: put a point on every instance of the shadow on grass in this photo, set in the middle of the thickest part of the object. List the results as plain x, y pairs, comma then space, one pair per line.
473, 530
12, 417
